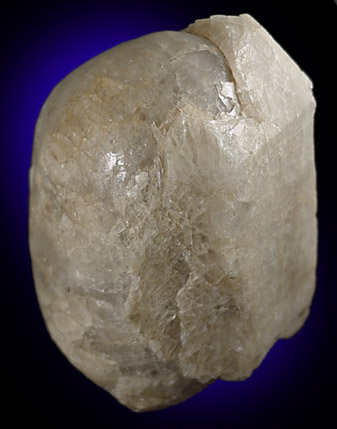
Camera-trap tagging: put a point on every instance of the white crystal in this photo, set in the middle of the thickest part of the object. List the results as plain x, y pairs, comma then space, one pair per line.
172, 209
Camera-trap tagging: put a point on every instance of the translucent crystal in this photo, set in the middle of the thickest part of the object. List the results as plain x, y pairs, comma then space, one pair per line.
172, 209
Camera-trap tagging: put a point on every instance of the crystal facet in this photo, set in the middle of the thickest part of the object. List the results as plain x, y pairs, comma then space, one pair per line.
172, 209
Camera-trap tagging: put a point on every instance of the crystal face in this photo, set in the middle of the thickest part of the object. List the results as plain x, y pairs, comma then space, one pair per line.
173, 209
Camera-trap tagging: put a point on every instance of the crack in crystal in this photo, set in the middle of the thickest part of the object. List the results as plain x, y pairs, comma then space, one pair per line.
172, 234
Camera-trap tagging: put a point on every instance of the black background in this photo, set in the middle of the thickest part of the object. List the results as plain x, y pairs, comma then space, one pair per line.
296, 384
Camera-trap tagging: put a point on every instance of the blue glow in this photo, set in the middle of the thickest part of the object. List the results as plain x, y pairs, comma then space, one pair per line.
39, 60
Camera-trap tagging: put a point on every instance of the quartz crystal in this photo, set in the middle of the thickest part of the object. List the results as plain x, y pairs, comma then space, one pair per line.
172, 209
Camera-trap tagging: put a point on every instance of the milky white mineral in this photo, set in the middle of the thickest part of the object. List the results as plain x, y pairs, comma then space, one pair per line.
172, 209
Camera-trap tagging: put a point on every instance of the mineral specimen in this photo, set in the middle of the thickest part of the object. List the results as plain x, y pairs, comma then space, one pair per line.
172, 209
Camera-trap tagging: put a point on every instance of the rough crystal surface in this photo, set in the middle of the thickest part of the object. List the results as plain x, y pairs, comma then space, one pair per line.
172, 209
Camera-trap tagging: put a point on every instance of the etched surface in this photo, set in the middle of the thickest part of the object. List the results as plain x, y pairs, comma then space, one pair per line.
172, 209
